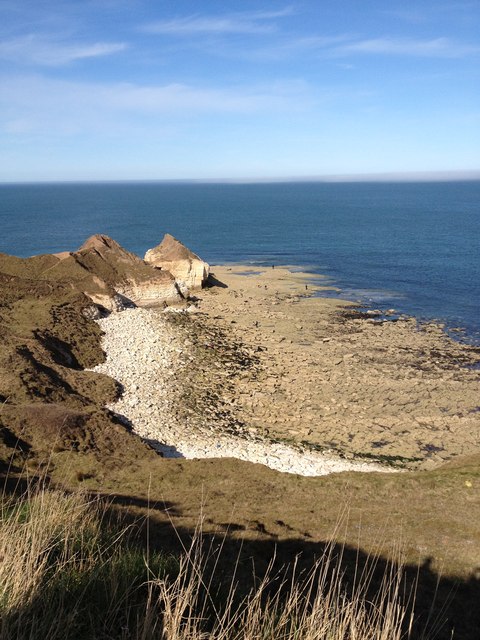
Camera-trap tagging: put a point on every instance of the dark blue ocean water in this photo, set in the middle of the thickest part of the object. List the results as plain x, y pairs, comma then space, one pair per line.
411, 246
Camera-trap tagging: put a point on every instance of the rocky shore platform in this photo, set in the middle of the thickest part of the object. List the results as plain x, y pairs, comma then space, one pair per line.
263, 369
178, 403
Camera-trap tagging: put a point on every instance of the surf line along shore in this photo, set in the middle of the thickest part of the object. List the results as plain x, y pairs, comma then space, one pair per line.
265, 372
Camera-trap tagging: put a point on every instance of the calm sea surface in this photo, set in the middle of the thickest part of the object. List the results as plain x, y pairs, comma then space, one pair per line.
411, 246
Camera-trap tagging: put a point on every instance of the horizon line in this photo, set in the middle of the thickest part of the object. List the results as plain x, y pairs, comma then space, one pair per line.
398, 176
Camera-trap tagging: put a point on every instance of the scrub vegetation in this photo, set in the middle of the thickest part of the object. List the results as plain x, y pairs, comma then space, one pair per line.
70, 570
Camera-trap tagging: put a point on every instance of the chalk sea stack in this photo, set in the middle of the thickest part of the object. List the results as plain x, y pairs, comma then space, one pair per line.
187, 268
120, 278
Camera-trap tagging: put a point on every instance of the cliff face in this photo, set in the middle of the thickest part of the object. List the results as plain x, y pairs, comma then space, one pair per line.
187, 268
114, 278
47, 339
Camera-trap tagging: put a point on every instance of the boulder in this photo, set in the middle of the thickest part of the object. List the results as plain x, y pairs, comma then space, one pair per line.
188, 269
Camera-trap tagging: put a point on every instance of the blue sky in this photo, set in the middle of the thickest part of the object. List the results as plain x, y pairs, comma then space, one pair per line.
139, 89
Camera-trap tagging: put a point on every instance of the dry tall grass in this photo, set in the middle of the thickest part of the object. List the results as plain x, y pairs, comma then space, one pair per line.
313, 607
66, 574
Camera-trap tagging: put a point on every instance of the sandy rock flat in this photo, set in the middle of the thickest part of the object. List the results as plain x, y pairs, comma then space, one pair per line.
266, 371
336, 378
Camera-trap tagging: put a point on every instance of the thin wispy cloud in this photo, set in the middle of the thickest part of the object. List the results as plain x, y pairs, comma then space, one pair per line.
285, 46
435, 48
36, 50
76, 107
410, 15
347, 46
177, 97
436, 13
254, 22
294, 47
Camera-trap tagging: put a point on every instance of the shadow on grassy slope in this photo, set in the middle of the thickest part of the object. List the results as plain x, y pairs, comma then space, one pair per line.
87, 566
445, 608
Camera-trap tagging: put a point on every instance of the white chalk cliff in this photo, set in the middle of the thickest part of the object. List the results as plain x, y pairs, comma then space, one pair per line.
190, 271
114, 278
132, 279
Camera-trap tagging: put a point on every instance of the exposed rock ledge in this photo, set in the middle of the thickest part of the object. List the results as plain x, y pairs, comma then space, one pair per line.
144, 354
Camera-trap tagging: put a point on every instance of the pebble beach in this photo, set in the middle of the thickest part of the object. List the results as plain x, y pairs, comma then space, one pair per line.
144, 355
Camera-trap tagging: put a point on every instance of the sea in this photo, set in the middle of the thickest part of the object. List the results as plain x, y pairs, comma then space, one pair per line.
413, 247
